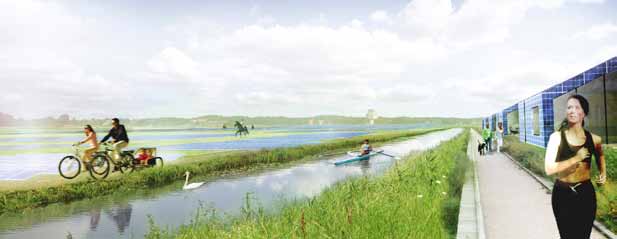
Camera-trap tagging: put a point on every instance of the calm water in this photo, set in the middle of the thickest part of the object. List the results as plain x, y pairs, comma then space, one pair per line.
126, 216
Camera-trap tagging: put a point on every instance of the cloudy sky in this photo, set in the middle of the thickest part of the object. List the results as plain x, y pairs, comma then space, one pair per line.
462, 58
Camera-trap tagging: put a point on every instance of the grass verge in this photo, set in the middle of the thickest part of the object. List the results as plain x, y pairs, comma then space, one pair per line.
532, 157
417, 198
14, 201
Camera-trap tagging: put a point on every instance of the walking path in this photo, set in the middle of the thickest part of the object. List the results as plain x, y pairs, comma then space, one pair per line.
514, 205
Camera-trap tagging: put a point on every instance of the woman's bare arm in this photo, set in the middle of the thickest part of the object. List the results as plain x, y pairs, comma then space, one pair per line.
89, 137
597, 141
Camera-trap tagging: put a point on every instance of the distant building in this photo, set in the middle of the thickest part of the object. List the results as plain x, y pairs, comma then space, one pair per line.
371, 115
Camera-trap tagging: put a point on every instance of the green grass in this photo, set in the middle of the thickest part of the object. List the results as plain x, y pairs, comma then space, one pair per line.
52, 180
532, 157
25, 199
417, 198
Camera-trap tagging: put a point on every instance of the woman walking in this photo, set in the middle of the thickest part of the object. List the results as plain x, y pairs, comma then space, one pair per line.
568, 155
499, 136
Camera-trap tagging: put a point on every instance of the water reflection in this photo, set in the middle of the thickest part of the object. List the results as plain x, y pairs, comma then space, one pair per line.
120, 215
95, 217
365, 166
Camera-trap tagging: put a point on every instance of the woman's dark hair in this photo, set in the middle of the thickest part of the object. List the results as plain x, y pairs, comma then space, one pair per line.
584, 104
116, 120
89, 127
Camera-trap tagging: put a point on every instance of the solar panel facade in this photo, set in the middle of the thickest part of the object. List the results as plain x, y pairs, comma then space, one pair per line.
536, 113
504, 117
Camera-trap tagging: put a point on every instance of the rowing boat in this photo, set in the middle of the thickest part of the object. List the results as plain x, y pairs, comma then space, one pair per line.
357, 158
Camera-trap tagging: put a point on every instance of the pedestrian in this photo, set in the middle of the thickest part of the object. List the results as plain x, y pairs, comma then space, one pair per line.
499, 136
568, 155
486, 136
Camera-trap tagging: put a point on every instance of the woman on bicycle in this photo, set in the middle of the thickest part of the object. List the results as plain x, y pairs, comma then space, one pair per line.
94, 143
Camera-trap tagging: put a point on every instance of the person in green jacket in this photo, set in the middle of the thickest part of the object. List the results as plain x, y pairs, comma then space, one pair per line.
487, 136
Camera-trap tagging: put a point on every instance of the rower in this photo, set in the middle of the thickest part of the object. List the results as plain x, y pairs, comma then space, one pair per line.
366, 148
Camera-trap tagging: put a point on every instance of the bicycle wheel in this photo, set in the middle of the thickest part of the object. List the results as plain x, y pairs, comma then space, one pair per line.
127, 163
99, 167
69, 167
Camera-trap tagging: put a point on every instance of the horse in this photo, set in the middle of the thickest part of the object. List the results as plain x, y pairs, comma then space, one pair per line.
241, 129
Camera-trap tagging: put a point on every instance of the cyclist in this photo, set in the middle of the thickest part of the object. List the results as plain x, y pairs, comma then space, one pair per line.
94, 144
119, 139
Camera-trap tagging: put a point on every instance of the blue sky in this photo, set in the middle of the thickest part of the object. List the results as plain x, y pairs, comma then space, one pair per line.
463, 58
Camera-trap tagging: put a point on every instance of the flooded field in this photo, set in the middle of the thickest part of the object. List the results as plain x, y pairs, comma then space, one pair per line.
29, 153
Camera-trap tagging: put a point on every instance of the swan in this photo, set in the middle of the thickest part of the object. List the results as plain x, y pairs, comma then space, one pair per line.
192, 185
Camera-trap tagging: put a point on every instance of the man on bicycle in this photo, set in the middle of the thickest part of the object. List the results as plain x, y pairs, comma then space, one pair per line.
119, 138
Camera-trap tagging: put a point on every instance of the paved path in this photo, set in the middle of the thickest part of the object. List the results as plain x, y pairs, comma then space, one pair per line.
514, 205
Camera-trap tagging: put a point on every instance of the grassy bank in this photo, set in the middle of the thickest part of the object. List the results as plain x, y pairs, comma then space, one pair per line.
417, 198
25, 199
532, 157
42, 181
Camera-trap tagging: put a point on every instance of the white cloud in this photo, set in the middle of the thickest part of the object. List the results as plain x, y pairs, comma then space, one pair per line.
605, 52
42, 24
424, 59
266, 20
476, 22
255, 10
380, 16
507, 85
427, 15
590, 1
356, 23
175, 62
598, 32
286, 67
